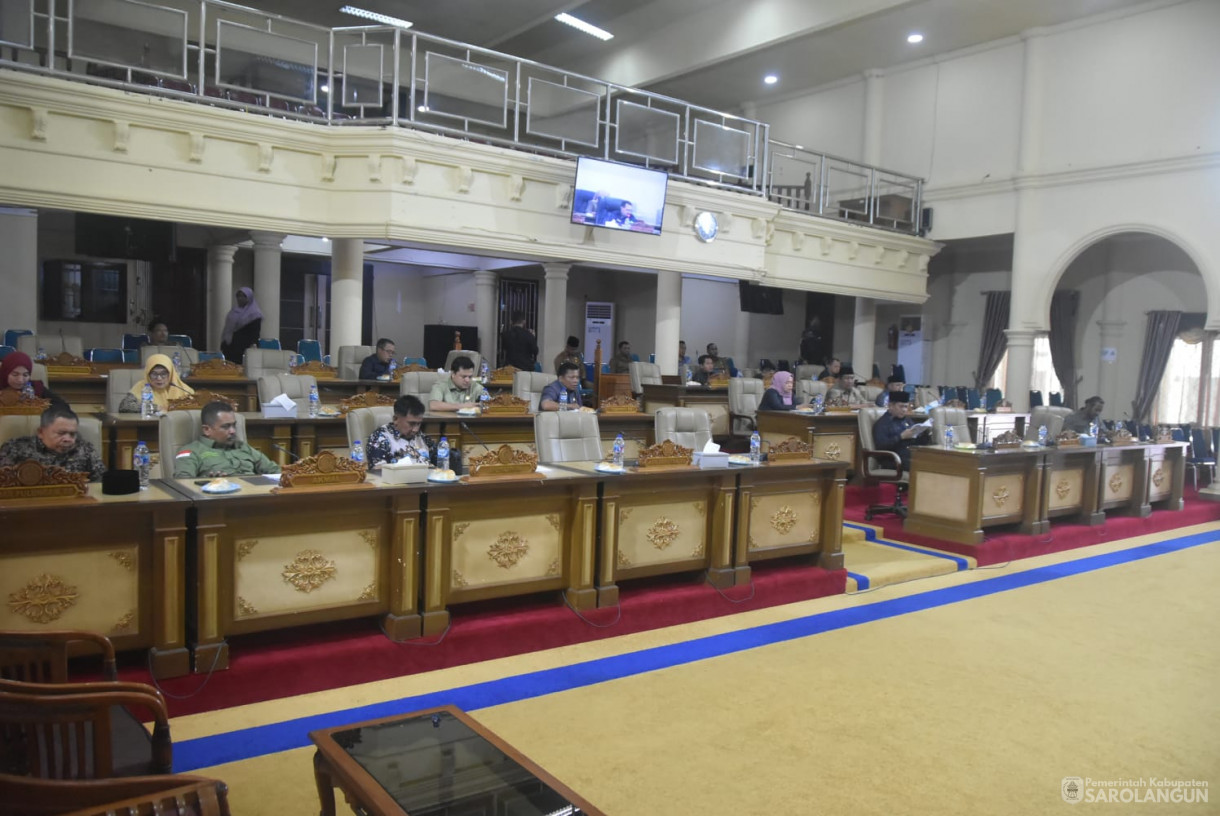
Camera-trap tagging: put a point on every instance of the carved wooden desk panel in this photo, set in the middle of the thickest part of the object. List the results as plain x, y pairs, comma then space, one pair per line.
517, 431
1070, 484
109, 564
1134, 477
834, 436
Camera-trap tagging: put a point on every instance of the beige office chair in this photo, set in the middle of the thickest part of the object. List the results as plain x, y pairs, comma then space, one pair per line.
349, 360
119, 383
643, 374
871, 392
806, 390
924, 394
1051, 416
259, 362
954, 418
529, 384
688, 427
180, 428
190, 356
567, 436
744, 396
419, 384
52, 344
363, 421
880, 467
14, 426
296, 386
807, 371
474, 356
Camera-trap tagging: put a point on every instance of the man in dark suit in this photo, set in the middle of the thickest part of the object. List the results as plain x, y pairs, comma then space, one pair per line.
519, 344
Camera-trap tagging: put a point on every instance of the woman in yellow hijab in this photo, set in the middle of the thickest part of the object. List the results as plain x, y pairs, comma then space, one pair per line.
159, 372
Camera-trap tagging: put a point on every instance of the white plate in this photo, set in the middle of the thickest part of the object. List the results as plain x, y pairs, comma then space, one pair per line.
739, 460
606, 467
436, 477
468, 412
231, 487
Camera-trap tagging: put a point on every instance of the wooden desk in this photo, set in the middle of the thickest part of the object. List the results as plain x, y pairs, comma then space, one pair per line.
713, 400
1070, 483
109, 564
86, 393
790, 509
834, 436
517, 431
1135, 477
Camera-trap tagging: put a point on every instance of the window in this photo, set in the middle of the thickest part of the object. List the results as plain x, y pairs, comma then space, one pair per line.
1188, 389
1043, 378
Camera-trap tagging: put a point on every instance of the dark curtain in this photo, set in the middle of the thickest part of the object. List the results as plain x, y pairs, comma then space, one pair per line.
1063, 342
1158, 342
995, 341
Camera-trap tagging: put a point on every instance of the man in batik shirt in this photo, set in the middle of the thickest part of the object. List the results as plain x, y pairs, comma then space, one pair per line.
400, 438
55, 443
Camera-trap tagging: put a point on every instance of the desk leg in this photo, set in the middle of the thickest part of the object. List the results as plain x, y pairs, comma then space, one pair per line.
326, 786
582, 540
607, 590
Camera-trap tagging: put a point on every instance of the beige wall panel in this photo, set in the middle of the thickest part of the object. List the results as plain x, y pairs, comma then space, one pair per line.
1117, 482
938, 494
486, 552
94, 589
293, 573
661, 533
1066, 488
784, 520
1003, 495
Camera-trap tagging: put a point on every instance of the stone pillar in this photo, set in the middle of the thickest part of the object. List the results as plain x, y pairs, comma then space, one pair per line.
669, 320
19, 267
864, 338
1107, 379
220, 291
874, 111
554, 335
1020, 367
486, 299
267, 279
346, 291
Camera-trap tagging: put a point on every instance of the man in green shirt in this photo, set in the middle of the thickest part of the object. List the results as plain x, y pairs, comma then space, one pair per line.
220, 452
459, 390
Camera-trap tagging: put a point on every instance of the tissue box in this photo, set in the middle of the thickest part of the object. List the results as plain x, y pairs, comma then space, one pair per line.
272, 410
1088, 441
405, 473
710, 461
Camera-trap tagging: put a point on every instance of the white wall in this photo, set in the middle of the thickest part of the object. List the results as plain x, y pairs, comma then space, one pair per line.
19, 262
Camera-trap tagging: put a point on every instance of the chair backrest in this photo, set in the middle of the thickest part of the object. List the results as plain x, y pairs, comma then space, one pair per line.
102, 355
7, 350
52, 344
269, 343
119, 382
745, 393
1056, 399
363, 421
1035, 399
876, 469
954, 418
924, 394
1049, 415
806, 390
871, 392
310, 349
134, 341
11, 335
190, 356
1201, 444
42, 657
567, 436
260, 361
179, 428
204, 356
866, 419
165, 795
474, 356
13, 426
183, 340
689, 427
805, 371
643, 374
529, 384
350, 358
296, 386
419, 384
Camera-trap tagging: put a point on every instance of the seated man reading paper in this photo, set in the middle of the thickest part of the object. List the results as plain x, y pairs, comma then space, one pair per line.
400, 438
220, 452
55, 443
897, 432
457, 392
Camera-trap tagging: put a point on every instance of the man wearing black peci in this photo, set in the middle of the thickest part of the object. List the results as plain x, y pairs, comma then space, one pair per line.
897, 432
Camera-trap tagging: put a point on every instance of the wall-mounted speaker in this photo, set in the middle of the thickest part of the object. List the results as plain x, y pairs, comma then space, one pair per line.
925, 221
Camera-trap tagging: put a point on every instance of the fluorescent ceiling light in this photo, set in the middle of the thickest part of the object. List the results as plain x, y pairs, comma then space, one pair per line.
588, 28
770, 79
384, 19
915, 38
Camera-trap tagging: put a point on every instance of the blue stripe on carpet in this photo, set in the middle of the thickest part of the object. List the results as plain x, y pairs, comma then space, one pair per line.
870, 534
233, 746
862, 581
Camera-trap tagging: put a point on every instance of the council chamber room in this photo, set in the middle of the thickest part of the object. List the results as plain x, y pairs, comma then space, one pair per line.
608, 408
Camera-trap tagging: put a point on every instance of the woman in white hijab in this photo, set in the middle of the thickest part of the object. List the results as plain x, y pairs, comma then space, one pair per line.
242, 326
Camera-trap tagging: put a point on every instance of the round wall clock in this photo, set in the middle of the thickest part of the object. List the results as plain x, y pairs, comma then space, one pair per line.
706, 226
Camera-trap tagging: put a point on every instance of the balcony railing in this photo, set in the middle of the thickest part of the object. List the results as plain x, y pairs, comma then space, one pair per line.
226, 55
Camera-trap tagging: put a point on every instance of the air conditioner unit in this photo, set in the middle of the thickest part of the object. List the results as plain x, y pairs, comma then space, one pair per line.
599, 325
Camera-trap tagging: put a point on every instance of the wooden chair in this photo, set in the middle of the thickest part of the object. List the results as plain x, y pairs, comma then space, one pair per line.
82, 730
171, 795
42, 657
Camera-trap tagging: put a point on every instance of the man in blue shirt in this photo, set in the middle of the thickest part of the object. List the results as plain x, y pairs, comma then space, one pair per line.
568, 382
897, 432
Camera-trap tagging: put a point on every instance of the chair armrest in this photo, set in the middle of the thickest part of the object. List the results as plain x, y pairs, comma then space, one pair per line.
889, 457
750, 421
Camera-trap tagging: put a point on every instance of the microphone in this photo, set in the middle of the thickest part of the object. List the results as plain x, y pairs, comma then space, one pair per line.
285, 450
477, 438
63, 344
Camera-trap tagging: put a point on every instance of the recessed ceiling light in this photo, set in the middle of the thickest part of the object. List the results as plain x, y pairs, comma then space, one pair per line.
384, 19
770, 79
915, 38
581, 25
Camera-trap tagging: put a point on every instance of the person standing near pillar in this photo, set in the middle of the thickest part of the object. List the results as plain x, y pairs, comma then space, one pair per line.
519, 343
242, 326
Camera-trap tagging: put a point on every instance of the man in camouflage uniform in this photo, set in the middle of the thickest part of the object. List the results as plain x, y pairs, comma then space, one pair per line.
220, 452
56, 443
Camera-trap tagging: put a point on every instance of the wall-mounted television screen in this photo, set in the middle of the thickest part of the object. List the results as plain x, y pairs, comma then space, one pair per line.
619, 196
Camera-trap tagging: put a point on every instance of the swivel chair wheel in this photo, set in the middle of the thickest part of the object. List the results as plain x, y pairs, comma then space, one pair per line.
868, 515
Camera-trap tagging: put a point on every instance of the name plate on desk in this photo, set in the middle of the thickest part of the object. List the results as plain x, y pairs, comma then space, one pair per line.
319, 371
505, 461
323, 469
14, 402
217, 368
620, 404
196, 401
665, 454
506, 404
790, 450
32, 480
367, 399
65, 364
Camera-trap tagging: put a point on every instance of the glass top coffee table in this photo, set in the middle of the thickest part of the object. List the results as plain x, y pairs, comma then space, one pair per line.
433, 763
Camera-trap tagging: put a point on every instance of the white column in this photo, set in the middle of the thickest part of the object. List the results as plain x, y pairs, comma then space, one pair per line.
267, 279
669, 319
555, 316
1020, 367
739, 351
486, 299
346, 291
864, 338
19, 267
220, 291
874, 110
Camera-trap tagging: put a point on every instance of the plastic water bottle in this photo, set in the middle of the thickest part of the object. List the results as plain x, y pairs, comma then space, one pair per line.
393, 367
755, 448
617, 456
1093, 429
358, 452
313, 401
484, 398
1042, 434
141, 461
42, 354
885, 399
178, 362
148, 408
485, 372
563, 400
442, 454
28, 391
948, 437
818, 403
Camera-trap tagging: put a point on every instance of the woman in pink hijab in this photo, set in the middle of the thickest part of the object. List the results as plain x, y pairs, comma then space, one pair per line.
779, 396
242, 326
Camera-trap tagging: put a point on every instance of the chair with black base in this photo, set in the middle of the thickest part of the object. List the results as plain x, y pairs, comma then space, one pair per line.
881, 466
42, 657
168, 795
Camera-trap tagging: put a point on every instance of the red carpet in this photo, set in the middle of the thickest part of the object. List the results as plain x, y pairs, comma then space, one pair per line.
1006, 544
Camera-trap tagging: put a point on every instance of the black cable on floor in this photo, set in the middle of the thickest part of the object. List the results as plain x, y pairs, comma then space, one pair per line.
157, 685
618, 607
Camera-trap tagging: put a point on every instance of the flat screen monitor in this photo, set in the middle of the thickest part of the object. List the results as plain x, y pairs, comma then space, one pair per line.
619, 196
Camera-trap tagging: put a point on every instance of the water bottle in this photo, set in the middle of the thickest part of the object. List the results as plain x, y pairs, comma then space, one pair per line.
1093, 429
178, 362
393, 367
1042, 434
148, 408
885, 399
755, 448
484, 398
41, 355
313, 401
358, 452
485, 372
563, 400
442, 454
619, 444
818, 403
141, 460
28, 391
948, 437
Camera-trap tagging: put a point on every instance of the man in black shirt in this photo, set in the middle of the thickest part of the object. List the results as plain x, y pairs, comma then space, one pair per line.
377, 364
897, 432
519, 344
